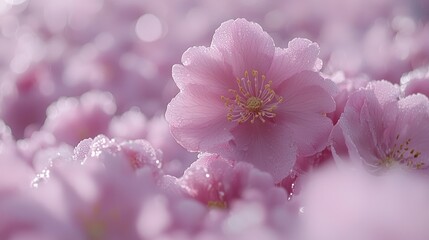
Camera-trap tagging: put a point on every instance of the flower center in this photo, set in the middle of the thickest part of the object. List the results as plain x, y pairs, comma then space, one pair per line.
402, 154
254, 104
217, 204
254, 99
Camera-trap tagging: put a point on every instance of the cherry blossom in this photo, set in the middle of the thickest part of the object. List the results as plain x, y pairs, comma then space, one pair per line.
244, 98
381, 129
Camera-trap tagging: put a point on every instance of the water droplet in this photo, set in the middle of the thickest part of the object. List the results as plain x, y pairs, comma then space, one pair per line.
158, 164
293, 174
40, 178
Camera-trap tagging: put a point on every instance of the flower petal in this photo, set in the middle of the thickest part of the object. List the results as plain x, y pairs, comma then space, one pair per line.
362, 130
307, 98
301, 55
367, 123
267, 146
385, 91
307, 92
412, 123
197, 119
245, 46
203, 66
310, 131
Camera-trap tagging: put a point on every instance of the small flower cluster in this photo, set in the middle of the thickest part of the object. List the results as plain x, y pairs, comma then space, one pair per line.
299, 140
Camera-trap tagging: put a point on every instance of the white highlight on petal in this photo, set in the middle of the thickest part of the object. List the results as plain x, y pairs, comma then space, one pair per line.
14, 2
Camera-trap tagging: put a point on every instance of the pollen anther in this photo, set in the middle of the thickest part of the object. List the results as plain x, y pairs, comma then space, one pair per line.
402, 155
254, 99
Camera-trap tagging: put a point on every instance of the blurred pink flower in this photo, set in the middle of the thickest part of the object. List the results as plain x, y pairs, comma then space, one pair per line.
98, 202
15, 175
133, 124
349, 203
381, 129
24, 218
101, 201
71, 120
416, 81
42, 148
24, 98
247, 100
216, 181
15, 172
127, 155
253, 207
130, 125
175, 158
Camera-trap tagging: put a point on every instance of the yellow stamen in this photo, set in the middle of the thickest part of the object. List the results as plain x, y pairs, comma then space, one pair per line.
254, 99
402, 155
217, 204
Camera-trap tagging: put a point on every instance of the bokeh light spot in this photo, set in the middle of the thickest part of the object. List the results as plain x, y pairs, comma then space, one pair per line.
149, 28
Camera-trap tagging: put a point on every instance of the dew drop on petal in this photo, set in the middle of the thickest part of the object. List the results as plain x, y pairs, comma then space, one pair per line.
158, 164
290, 196
40, 178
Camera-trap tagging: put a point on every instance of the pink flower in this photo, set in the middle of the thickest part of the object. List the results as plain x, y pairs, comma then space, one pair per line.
102, 202
246, 99
24, 98
41, 149
252, 206
216, 181
71, 120
127, 155
130, 125
381, 129
98, 202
